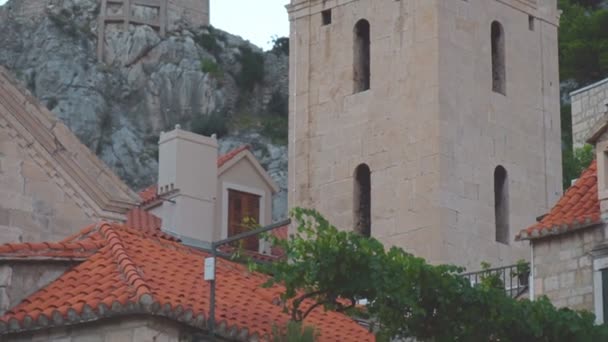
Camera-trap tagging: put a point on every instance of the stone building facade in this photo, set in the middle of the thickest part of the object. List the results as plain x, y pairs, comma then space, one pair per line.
569, 254
404, 114
120, 15
163, 13
589, 104
564, 268
128, 329
51, 185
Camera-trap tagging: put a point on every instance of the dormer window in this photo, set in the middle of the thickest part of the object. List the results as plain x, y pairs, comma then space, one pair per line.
242, 207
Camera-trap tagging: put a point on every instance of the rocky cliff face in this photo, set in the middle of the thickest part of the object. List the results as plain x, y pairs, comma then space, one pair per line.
204, 79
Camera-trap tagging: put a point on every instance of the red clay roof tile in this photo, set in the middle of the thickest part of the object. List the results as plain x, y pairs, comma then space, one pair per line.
578, 208
148, 194
146, 274
145, 221
228, 156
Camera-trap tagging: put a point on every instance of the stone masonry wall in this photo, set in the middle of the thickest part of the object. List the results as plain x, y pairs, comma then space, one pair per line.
588, 105
430, 128
33, 207
20, 279
126, 329
563, 268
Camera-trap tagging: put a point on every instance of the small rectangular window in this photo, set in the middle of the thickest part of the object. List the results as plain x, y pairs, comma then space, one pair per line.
531, 23
326, 17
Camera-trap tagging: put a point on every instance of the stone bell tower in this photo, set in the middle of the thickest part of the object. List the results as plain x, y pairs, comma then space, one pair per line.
432, 125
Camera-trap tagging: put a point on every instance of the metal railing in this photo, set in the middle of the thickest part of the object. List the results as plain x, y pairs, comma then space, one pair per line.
514, 279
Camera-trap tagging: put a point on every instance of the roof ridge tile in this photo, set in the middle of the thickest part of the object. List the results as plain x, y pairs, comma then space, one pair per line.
125, 264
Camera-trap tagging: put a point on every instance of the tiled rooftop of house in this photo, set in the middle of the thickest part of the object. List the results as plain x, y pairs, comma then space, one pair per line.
578, 208
128, 270
223, 159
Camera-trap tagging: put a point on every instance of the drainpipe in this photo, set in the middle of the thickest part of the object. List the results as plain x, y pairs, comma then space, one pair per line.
531, 281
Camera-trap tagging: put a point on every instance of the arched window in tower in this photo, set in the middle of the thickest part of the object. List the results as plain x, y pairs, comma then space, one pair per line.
362, 201
498, 58
361, 72
501, 204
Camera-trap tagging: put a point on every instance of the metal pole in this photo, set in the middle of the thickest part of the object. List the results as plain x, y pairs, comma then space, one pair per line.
212, 294
214, 246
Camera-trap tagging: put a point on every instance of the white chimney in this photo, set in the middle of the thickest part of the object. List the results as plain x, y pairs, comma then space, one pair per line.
187, 176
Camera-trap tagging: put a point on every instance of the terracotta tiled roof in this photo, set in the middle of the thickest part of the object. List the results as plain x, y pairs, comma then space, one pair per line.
578, 208
228, 156
132, 272
66, 249
281, 233
149, 194
145, 221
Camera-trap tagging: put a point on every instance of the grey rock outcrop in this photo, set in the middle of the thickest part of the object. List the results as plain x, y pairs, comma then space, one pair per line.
145, 84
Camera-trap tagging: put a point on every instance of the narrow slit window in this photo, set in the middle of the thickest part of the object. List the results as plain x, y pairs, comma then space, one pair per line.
362, 63
501, 204
326, 17
531, 22
362, 201
498, 59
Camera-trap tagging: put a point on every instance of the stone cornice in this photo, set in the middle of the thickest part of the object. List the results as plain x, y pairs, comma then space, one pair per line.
55, 148
303, 8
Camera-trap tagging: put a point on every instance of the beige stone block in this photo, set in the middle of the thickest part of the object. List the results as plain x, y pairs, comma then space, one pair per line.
551, 283
575, 301
10, 234
26, 221
4, 217
123, 335
539, 289
89, 337
44, 190
6, 274
146, 334
567, 280
32, 171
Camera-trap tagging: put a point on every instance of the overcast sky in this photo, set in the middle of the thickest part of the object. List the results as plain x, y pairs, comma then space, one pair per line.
256, 21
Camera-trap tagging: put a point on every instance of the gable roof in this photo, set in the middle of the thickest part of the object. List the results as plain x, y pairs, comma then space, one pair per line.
223, 159
235, 156
133, 272
598, 129
578, 208
145, 221
59, 152
150, 194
